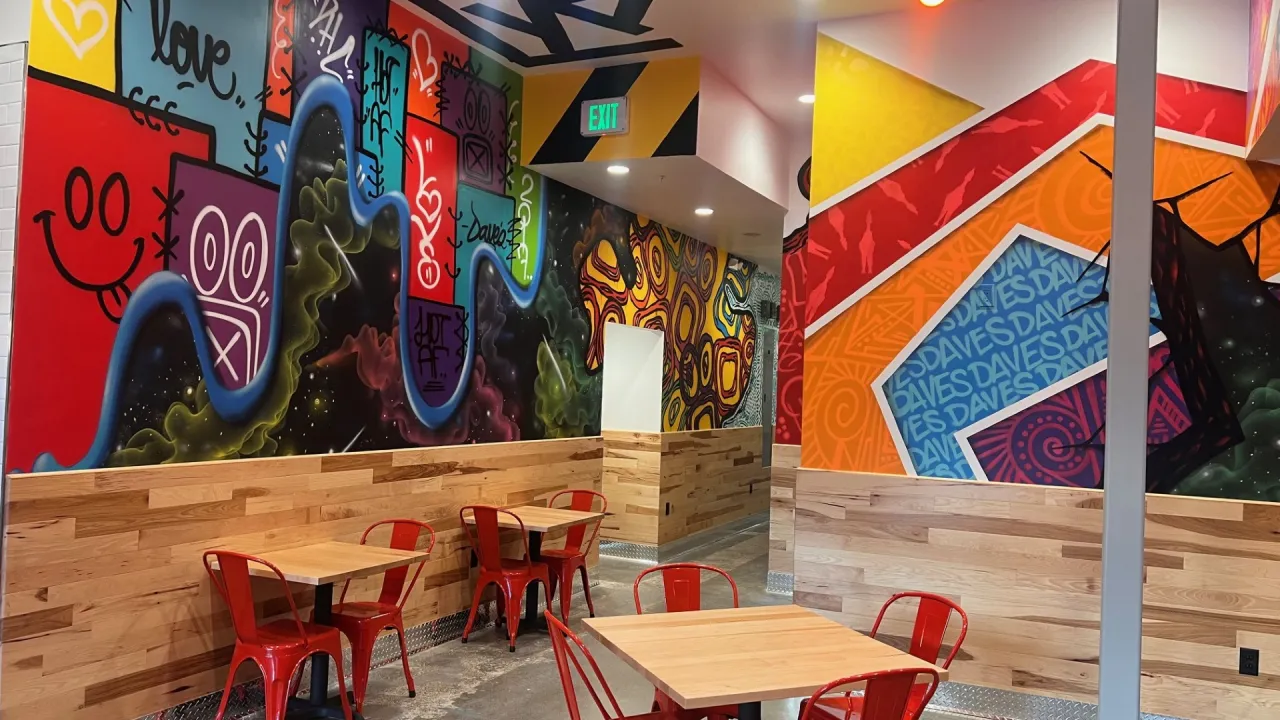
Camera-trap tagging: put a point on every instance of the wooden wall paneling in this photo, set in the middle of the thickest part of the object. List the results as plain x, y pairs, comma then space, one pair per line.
632, 480
109, 614
1025, 562
782, 508
710, 478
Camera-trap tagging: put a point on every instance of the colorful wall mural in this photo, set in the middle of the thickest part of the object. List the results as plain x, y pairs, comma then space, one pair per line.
263, 227
955, 306
791, 319
1264, 66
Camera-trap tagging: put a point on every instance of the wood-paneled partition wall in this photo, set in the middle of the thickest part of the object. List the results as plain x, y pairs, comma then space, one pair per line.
108, 613
666, 486
1025, 563
782, 508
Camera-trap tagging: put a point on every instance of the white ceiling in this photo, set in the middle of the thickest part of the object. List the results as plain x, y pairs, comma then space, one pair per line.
764, 47
668, 189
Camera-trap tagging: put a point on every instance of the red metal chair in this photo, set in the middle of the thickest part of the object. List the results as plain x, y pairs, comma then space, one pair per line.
278, 647
594, 682
886, 696
362, 622
573, 557
929, 631
511, 576
682, 583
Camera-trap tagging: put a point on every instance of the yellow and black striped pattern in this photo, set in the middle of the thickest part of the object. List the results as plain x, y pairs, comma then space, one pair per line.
664, 112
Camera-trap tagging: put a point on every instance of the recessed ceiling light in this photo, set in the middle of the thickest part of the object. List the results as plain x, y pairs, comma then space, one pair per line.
808, 99
619, 169
704, 212
931, 3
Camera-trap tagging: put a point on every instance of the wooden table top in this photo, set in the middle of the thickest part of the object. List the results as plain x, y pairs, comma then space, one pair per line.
725, 657
544, 519
331, 562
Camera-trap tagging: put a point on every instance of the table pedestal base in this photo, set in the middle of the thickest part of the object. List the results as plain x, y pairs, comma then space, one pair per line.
749, 711
300, 709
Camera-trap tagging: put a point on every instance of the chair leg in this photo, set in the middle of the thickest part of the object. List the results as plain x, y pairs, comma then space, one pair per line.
295, 680
277, 692
342, 682
361, 660
586, 590
236, 659
513, 592
404, 658
566, 595
475, 608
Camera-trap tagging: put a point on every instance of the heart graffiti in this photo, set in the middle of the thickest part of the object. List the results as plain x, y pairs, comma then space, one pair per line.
78, 12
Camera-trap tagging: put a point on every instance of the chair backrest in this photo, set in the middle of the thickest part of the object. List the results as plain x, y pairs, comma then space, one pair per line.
568, 649
886, 695
583, 501
683, 585
405, 534
483, 533
930, 629
232, 580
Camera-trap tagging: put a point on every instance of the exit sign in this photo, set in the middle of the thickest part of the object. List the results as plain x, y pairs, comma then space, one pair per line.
605, 117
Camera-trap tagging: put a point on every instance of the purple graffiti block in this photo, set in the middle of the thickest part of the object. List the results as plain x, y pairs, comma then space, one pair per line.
226, 237
329, 40
476, 111
1053, 443
437, 348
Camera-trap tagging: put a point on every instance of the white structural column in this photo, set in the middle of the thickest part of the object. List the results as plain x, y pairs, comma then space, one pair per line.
1126, 448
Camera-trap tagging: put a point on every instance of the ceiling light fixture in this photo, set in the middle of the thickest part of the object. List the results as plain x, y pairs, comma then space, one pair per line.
931, 3
808, 99
704, 212
619, 169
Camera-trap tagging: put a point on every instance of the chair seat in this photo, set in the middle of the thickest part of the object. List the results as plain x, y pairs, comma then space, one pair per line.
554, 554
511, 566
364, 611
284, 633
838, 706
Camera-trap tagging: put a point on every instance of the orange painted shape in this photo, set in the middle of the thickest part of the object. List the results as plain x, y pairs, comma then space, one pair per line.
844, 427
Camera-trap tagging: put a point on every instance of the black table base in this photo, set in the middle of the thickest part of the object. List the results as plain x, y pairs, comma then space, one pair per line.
533, 621
749, 711
300, 709
320, 706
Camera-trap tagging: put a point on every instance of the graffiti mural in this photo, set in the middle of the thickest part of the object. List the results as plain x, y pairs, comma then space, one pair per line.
634, 271
791, 324
969, 337
309, 233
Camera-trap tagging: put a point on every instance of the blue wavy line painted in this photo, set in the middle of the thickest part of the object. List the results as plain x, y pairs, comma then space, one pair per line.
167, 289
433, 416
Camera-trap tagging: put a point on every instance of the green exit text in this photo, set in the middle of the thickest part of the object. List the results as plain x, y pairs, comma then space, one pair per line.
603, 118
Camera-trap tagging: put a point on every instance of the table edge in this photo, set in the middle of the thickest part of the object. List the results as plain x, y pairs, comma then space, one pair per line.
318, 580
740, 698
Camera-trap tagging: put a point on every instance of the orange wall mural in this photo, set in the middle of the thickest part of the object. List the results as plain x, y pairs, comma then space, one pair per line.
964, 334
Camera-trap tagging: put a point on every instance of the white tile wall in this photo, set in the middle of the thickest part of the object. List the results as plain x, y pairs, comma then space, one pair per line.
13, 72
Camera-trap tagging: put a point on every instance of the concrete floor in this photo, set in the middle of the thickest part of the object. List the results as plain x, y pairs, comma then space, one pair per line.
483, 680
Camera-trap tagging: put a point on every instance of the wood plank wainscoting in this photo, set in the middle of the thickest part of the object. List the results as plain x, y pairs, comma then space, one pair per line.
1025, 562
666, 486
108, 613
782, 508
